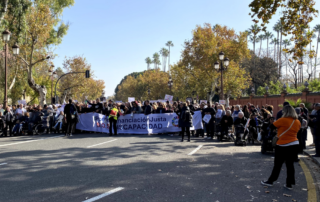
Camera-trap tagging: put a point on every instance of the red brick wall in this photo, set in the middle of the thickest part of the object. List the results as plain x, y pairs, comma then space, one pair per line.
277, 100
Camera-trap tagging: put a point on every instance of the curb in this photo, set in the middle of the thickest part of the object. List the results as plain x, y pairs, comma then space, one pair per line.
316, 160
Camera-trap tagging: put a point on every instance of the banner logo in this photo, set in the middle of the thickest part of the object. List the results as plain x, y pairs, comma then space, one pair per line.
175, 121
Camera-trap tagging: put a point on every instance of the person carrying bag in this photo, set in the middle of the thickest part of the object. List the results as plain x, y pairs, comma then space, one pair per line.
286, 146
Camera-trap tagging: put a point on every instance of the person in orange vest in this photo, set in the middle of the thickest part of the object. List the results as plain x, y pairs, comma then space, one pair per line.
113, 118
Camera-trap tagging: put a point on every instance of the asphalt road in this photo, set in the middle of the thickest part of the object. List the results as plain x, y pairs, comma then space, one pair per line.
148, 168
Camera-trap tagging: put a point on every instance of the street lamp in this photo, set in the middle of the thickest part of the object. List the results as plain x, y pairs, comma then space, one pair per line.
170, 83
222, 67
267, 89
6, 38
252, 90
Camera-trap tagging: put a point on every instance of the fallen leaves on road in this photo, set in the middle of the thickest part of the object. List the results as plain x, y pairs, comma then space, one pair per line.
266, 187
267, 192
287, 195
294, 200
304, 189
274, 200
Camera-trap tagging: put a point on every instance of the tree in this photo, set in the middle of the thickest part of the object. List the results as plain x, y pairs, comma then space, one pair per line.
277, 28
275, 88
169, 44
156, 60
39, 33
77, 84
268, 35
254, 30
295, 17
286, 43
138, 87
263, 72
133, 74
195, 71
164, 52
148, 61
317, 29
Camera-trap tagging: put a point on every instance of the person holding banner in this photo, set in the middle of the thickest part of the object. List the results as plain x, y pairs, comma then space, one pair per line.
98, 107
113, 119
185, 120
147, 108
210, 124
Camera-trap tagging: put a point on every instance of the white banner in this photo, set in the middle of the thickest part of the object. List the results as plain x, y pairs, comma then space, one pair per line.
138, 124
168, 97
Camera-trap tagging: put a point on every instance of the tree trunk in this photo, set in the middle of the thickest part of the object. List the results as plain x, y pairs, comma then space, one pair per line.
260, 47
42, 90
169, 60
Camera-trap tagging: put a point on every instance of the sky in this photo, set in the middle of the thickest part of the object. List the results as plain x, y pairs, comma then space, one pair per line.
115, 36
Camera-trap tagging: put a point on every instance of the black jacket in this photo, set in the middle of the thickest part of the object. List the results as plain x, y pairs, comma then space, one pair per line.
68, 109
229, 120
8, 117
147, 110
242, 121
160, 111
95, 107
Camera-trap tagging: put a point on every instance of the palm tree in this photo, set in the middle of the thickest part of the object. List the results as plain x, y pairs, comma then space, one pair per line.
286, 43
169, 44
156, 60
277, 27
148, 61
268, 35
248, 33
316, 29
164, 52
261, 37
254, 30
275, 42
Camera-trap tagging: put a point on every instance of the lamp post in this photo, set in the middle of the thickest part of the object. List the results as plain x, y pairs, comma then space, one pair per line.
193, 93
267, 89
170, 83
6, 38
222, 67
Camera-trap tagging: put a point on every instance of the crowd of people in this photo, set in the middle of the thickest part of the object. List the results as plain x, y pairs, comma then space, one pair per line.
286, 129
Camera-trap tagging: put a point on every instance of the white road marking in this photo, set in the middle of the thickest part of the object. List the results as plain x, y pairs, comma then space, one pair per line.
194, 151
101, 143
3, 164
30, 141
104, 195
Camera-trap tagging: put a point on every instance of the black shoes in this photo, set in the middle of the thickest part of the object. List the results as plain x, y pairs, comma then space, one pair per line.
267, 183
315, 155
288, 186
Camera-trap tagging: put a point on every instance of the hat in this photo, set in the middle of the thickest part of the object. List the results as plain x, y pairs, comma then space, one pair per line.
286, 104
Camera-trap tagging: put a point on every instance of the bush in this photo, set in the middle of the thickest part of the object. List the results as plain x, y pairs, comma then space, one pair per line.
295, 104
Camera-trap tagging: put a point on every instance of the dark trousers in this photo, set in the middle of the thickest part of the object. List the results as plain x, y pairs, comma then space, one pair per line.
5, 130
302, 134
285, 155
210, 129
70, 125
317, 141
113, 123
185, 129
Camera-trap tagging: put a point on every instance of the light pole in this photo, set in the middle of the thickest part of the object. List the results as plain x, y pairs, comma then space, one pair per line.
52, 73
6, 38
170, 83
222, 67
193, 93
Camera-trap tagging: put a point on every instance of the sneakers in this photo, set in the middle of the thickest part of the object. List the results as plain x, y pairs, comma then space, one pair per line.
266, 183
287, 186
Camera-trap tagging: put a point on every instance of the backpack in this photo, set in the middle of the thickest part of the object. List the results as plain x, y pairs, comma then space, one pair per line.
187, 116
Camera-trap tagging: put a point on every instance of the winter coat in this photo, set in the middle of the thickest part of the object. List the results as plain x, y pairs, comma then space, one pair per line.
229, 121
182, 114
8, 117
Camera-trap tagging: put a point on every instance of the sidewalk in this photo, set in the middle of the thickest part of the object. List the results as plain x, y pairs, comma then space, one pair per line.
311, 150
